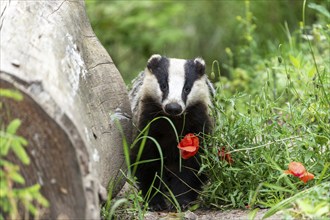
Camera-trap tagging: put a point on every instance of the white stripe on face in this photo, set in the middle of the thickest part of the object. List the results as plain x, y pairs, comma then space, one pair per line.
199, 92
150, 87
176, 79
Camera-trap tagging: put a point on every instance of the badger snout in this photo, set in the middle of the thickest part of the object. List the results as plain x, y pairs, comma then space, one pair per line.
173, 109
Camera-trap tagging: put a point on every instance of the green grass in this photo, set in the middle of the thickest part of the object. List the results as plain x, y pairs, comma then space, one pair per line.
277, 112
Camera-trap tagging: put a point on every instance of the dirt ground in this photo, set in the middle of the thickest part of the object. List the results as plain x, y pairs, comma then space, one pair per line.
208, 215
203, 214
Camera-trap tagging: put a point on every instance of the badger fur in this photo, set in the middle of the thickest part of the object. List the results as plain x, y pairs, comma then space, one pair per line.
179, 90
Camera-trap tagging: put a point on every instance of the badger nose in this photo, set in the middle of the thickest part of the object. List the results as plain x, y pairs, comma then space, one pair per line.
173, 109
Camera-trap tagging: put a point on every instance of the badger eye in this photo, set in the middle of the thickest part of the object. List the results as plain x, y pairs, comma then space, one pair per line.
163, 87
186, 90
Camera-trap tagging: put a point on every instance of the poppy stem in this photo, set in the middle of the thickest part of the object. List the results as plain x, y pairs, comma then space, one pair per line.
180, 160
264, 145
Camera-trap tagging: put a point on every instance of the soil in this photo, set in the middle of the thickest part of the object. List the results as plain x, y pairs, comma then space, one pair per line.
203, 214
207, 215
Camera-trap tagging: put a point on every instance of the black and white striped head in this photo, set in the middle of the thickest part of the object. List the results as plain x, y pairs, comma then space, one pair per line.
176, 84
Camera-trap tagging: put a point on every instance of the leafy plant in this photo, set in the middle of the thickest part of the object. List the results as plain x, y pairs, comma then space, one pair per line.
280, 115
312, 203
13, 196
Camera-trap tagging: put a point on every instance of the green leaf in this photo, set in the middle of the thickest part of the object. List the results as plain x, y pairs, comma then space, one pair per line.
3, 187
4, 146
322, 209
253, 214
278, 188
5, 206
13, 126
320, 9
42, 200
16, 177
8, 93
295, 61
20, 152
32, 209
311, 72
279, 206
319, 139
33, 189
5, 163
324, 171
118, 203
22, 141
3, 192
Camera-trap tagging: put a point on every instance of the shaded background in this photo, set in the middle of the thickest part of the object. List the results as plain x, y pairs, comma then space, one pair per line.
227, 31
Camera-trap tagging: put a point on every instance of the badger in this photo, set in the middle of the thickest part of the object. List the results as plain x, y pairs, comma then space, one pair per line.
179, 90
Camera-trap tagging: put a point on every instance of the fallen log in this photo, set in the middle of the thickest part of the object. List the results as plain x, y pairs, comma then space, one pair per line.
73, 95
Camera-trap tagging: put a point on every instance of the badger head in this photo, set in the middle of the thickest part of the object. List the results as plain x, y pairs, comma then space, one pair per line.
176, 84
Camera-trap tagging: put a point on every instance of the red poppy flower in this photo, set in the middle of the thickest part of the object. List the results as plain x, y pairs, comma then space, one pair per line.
225, 156
188, 146
298, 170
306, 177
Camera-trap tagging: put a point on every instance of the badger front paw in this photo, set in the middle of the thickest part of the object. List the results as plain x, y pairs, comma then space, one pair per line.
157, 203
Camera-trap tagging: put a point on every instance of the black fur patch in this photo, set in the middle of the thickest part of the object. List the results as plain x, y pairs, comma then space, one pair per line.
193, 71
159, 67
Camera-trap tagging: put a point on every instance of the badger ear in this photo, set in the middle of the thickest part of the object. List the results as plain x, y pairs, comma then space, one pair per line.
153, 62
200, 66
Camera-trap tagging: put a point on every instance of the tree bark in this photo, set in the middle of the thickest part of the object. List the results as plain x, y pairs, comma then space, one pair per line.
73, 96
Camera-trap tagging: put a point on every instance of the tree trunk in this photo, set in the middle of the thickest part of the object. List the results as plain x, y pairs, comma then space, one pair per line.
73, 95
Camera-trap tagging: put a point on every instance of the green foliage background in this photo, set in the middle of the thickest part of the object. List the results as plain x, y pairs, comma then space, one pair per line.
132, 31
